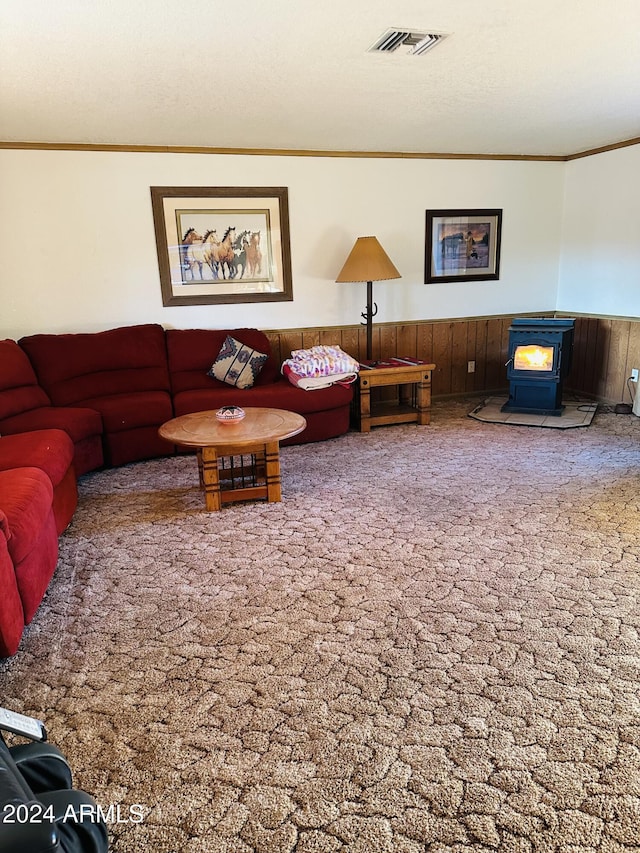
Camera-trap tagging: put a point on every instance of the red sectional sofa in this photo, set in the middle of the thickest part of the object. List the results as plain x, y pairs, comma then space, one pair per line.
72, 403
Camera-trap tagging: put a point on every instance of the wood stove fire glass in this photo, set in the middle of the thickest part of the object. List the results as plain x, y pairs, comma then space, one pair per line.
539, 361
533, 358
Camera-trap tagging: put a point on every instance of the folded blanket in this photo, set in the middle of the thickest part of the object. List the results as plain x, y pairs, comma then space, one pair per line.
312, 383
319, 367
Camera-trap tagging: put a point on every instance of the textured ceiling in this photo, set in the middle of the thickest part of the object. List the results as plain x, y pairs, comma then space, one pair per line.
554, 77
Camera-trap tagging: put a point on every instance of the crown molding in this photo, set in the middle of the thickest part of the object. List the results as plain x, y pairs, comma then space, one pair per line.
271, 152
299, 152
613, 147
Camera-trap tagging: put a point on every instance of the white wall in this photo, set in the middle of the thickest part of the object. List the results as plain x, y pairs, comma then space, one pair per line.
600, 258
78, 248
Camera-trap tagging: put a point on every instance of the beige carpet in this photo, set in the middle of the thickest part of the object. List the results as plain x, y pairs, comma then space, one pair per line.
432, 644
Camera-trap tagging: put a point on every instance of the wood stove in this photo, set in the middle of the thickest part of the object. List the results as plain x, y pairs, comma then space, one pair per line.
539, 361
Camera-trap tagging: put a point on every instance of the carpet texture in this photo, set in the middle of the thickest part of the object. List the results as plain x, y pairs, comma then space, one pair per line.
432, 644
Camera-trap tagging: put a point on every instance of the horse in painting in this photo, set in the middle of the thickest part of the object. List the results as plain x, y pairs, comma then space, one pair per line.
238, 265
192, 255
219, 253
450, 245
211, 241
254, 255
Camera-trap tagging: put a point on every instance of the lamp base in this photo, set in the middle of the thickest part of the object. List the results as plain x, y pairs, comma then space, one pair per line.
369, 314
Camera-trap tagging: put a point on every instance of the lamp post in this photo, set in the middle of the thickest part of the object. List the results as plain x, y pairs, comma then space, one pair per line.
368, 262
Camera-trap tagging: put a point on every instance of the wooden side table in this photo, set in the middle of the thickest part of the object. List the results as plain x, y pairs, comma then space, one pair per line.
414, 393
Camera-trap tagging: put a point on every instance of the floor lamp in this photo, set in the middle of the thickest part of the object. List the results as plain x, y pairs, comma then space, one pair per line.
368, 262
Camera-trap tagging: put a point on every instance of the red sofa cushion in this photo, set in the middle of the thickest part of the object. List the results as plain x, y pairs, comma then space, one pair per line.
51, 450
19, 389
122, 412
26, 498
11, 612
191, 352
79, 423
28, 555
83, 425
77, 368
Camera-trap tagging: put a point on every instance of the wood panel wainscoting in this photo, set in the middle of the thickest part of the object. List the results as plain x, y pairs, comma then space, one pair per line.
605, 351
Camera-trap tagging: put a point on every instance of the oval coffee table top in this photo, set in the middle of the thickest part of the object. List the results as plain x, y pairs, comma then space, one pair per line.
259, 426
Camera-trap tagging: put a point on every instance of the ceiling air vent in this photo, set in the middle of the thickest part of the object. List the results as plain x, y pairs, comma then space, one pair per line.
415, 43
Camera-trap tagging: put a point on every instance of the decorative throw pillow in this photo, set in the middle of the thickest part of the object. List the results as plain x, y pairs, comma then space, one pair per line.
237, 364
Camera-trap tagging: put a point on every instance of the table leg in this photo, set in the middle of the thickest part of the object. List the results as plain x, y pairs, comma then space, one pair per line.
423, 399
272, 467
208, 458
407, 394
364, 404
259, 464
200, 476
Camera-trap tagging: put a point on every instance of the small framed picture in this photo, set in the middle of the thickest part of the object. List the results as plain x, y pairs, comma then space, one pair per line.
462, 245
222, 244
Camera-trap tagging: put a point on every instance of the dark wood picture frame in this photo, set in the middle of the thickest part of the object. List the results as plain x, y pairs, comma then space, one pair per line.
462, 245
222, 244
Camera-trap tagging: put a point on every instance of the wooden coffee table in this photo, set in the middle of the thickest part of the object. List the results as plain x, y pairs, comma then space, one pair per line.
218, 446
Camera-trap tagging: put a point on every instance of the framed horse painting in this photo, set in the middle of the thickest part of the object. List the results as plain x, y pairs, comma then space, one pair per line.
222, 244
462, 245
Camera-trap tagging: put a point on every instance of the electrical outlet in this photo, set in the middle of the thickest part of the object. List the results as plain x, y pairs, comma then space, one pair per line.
471, 368
634, 374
